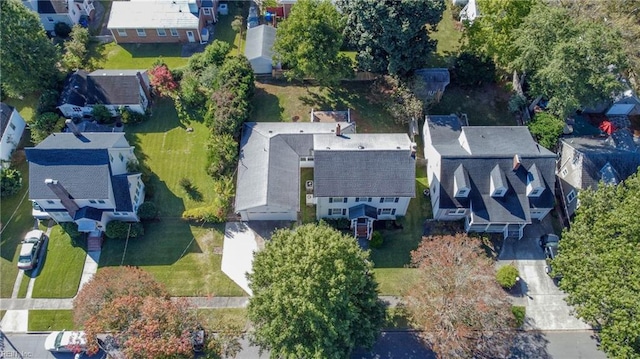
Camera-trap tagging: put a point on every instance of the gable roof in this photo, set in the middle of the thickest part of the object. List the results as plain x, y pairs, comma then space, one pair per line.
363, 165
107, 87
5, 116
153, 14
52, 7
259, 42
481, 151
80, 164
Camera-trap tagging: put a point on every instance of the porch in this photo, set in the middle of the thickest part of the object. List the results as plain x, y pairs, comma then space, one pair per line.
362, 217
508, 230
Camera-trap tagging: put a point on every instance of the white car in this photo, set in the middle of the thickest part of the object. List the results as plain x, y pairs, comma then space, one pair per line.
30, 250
66, 342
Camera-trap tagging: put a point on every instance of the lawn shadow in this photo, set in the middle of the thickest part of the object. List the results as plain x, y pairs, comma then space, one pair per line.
96, 55
164, 118
530, 344
194, 193
269, 107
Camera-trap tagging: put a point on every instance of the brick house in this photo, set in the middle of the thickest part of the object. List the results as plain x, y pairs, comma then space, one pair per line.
161, 21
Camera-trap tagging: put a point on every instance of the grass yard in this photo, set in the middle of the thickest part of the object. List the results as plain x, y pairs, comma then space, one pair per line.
396, 318
216, 319
135, 56
26, 107
61, 269
185, 257
224, 32
50, 320
449, 36
308, 213
24, 286
15, 215
280, 100
392, 258
485, 106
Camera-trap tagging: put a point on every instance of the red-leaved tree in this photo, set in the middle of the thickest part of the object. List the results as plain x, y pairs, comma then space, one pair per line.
162, 80
456, 301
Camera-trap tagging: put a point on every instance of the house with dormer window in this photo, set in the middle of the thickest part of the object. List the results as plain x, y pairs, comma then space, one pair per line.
84, 178
496, 178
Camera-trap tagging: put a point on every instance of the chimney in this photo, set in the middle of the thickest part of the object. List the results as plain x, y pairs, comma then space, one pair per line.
516, 162
338, 130
72, 126
67, 201
143, 84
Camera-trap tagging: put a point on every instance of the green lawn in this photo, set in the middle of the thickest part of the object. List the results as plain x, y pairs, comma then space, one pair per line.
484, 105
224, 32
135, 56
396, 318
26, 107
215, 319
448, 34
50, 320
308, 213
186, 258
13, 231
61, 268
24, 286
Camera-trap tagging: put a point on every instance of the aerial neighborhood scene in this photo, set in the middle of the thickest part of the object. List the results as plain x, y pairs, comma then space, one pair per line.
320, 179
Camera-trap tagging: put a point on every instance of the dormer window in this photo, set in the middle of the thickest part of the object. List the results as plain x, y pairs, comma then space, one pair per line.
498, 185
461, 182
535, 186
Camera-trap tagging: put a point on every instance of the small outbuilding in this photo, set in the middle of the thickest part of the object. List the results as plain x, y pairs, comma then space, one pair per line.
435, 80
259, 48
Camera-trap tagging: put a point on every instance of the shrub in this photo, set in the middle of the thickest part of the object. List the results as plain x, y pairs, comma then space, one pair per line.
517, 103
518, 313
162, 80
546, 128
75, 49
48, 101
215, 214
119, 229
147, 210
338, 223
45, 124
10, 181
62, 29
102, 114
507, 276
376, 240
222, 155
132, 117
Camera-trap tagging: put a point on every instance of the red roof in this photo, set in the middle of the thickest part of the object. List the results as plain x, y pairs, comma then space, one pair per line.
279, 11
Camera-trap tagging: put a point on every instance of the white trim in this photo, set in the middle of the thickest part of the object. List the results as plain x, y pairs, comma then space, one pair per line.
122, 32
571, 196
141, 32
163, 33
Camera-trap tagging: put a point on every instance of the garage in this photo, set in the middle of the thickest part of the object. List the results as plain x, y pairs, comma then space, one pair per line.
268, 216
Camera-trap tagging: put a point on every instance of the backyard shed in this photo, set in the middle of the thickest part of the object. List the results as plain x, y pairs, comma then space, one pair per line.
435, 80
259, 46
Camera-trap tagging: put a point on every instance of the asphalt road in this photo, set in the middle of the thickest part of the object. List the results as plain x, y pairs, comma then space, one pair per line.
398, 345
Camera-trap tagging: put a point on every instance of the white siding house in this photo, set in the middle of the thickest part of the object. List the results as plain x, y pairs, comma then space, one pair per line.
52, 12
11, 128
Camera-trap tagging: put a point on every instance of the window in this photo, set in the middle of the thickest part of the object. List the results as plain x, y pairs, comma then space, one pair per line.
571, 196
50, 201
386, 211
141, 32
456, 211
161, 32
337, 199
122, 32
564, 172
77, 109
389, 199
535, 192
337, 211
116, 213
206, 11
93, 201
110, 158
101, 201
121, 157
174, 32
50, 19
363, 199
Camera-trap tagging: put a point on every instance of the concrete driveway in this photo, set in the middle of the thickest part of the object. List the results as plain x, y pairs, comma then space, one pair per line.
546, 307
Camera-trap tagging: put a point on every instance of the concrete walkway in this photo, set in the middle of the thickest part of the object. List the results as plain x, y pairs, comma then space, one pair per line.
90, 267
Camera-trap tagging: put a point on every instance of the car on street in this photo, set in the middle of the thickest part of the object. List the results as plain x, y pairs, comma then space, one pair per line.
66, 342
30, 251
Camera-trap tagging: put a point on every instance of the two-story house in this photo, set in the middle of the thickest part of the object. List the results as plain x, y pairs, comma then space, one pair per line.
362, 177
11, 128
70, 12
114, 89
496, 178
161, 21
83, 178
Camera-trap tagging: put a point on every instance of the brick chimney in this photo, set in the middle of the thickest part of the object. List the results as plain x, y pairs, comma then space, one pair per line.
517, 161
338, 133
67, 201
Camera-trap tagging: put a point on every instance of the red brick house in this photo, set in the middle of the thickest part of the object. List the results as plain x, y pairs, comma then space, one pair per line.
161, 21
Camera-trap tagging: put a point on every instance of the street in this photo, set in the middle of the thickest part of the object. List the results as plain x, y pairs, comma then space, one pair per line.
530, 344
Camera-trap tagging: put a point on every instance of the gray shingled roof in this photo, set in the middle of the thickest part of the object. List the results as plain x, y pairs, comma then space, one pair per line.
121, 193
435, 79
5, 116
363, 165
108, 87
88, 140
479, 149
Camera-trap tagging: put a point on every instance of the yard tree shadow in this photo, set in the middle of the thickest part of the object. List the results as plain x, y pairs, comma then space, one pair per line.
194, 193
402, 344
530, 344
266, 107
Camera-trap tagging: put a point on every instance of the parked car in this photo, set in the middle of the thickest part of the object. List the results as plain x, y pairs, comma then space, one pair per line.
66, 342
30, 250
549, 244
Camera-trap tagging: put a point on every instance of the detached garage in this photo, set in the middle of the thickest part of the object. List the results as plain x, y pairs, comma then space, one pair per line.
258, 49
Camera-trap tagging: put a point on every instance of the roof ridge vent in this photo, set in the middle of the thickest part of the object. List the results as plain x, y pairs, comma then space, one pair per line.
360, 147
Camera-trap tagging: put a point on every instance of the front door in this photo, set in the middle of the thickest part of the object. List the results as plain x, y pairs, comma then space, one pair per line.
190, 36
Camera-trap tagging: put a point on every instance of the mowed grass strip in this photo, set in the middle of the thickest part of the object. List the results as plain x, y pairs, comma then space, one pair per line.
135, 56
50, 320
13, 232
61, 267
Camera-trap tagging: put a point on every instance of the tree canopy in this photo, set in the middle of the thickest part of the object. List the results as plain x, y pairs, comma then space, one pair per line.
599, 262
574, 62
27, 57
314, 295
391, 36
546, 129
308, 43
456, 301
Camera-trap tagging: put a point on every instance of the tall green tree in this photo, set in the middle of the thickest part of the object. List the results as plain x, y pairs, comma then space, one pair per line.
492, 34
546, 128
27, 57
314, 295
392, 36
600, 264
76, 49
308, 43
574, 62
